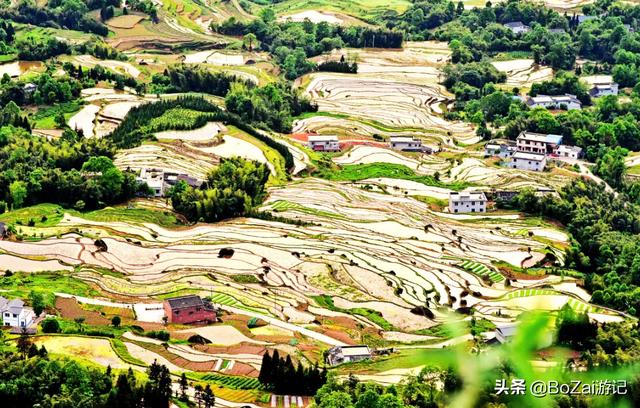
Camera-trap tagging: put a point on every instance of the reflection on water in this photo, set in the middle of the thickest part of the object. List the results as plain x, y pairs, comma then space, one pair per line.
17, 68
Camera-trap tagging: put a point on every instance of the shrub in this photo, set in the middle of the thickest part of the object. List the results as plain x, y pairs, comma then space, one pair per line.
158, 334
50, 325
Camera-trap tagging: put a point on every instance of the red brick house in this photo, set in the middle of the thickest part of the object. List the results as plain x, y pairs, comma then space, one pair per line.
189, 309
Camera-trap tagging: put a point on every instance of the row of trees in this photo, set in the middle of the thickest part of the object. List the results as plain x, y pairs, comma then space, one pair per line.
280, 375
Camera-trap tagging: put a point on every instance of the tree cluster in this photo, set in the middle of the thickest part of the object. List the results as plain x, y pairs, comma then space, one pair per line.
341, 66
283, 377
69, 14
429, 389
71, 172
232, 189
32, 379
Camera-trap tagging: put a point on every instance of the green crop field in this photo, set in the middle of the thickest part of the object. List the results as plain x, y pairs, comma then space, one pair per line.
482, 270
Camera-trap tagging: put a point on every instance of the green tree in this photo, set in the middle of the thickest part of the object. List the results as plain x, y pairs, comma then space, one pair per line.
50, 325
18, 191
249, 39
37, 302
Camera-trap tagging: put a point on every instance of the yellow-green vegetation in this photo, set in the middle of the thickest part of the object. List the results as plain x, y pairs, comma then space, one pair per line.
374, 316
49, 215
47, 283
121, 350
355, 172
358, 8
45, 116
270, 153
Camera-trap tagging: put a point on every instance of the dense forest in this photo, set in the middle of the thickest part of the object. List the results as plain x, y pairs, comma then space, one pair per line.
71, 14
71, 171
272, 106
234, 188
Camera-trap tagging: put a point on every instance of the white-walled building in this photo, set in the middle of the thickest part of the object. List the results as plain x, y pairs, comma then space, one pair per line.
528, 161
467, 202
347, 354
566, 101
501, 149
603, 89
405, 143
323, 143
15, 313
517, 27
569, 152
537, 142
160, 181
506, 332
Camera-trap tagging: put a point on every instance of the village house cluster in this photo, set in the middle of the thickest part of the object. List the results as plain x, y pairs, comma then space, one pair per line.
331, 143
531, 150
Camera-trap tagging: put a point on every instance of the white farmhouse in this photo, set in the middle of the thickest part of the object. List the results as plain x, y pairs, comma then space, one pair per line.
566, 101
505, 333
528, 161
603, 89
323, 143
160, 181
154, 179
517, 27
537, 142
15, 313
405, 143
346, 354
569, 152
467, 202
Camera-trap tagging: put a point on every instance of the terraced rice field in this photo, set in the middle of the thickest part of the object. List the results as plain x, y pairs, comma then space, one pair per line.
236, 383
17, 68
224, 299
401, 89
169, 157
482, 270
523, 72
405, 252
121, 67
